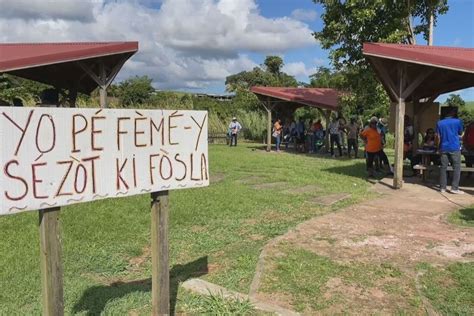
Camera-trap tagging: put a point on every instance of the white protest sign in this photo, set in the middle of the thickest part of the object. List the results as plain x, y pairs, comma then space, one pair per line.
58, 156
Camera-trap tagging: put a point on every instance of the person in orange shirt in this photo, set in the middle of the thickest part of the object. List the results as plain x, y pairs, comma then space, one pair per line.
373, 144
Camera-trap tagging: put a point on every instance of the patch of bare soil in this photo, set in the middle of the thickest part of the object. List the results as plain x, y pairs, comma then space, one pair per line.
217, 177
402, 227
137, 262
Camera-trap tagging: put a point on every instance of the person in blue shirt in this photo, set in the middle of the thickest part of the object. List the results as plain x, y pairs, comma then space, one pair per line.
449, 131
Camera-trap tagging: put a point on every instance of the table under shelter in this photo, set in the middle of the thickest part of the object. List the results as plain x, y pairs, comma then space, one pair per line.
283, 102
75, 67
417, 74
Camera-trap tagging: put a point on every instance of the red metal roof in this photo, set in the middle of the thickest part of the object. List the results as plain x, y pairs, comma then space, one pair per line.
56, 64
454, 58
14, 56
325, 98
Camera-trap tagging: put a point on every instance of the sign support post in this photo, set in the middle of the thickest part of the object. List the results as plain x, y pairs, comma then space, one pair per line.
160, 286
51, 264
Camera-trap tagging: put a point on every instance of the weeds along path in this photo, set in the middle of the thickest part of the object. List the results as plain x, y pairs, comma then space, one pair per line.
373, 247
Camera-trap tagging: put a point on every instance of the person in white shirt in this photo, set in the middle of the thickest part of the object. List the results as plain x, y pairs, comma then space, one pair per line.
334, 136
234, 129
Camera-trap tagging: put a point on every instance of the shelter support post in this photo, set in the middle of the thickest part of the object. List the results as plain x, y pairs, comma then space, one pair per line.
160, 285
103, 86
269, 130
50, 261
416, 124
103, 78
326, 136
268, 107
399, 131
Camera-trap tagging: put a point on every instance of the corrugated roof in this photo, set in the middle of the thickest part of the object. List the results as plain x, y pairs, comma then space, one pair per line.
325, 98
454, 58
56, 64
14, 56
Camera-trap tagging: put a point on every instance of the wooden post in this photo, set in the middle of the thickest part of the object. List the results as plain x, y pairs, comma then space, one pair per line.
416, 124
399, 133
160, 285
50, 259
103, 86
269, 127
326, 136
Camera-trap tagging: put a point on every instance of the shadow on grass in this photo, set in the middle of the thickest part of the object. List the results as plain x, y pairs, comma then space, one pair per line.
467, 215
95, 299
356, 170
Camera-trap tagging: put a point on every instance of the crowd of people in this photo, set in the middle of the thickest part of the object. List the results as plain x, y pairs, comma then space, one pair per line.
444, 142
343, 136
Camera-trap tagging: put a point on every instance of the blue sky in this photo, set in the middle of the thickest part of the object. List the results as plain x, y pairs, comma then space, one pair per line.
193, 45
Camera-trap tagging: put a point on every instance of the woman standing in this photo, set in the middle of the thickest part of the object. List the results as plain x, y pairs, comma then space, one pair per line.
277, 128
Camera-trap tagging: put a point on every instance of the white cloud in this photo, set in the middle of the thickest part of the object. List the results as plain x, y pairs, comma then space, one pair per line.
182, 43
298, 69
79, 10
321, 62
304, 15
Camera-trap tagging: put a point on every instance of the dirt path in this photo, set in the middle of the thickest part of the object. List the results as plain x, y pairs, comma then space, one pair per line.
403, 227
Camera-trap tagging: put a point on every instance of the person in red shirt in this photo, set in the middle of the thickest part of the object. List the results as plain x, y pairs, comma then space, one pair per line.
373, 144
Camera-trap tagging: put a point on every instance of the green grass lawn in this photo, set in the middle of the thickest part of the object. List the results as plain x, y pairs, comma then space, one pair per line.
450, 289
215, 233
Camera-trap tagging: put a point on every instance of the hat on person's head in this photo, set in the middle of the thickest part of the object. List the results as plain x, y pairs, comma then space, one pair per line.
234, 118
383, 121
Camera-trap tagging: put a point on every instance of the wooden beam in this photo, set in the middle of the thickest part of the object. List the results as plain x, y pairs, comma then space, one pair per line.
399, 132
50, 261
269, 126
326, 136
114, 71
415, 83
91, 73
160, 284
417, 109
103, 87
382, 71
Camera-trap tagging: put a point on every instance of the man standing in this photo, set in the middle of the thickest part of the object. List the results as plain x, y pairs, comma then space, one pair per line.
300, 139
334, 136
449, 131
352, 138
234, 129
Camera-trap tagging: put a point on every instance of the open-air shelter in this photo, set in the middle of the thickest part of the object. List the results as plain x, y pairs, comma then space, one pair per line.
284, 101
418, 74
76, 67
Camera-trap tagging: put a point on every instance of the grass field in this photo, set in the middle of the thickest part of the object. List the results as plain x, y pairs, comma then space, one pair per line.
216, 233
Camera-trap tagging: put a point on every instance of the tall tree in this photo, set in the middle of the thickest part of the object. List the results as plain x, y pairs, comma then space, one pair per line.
348, 24
273, 64
270, 76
